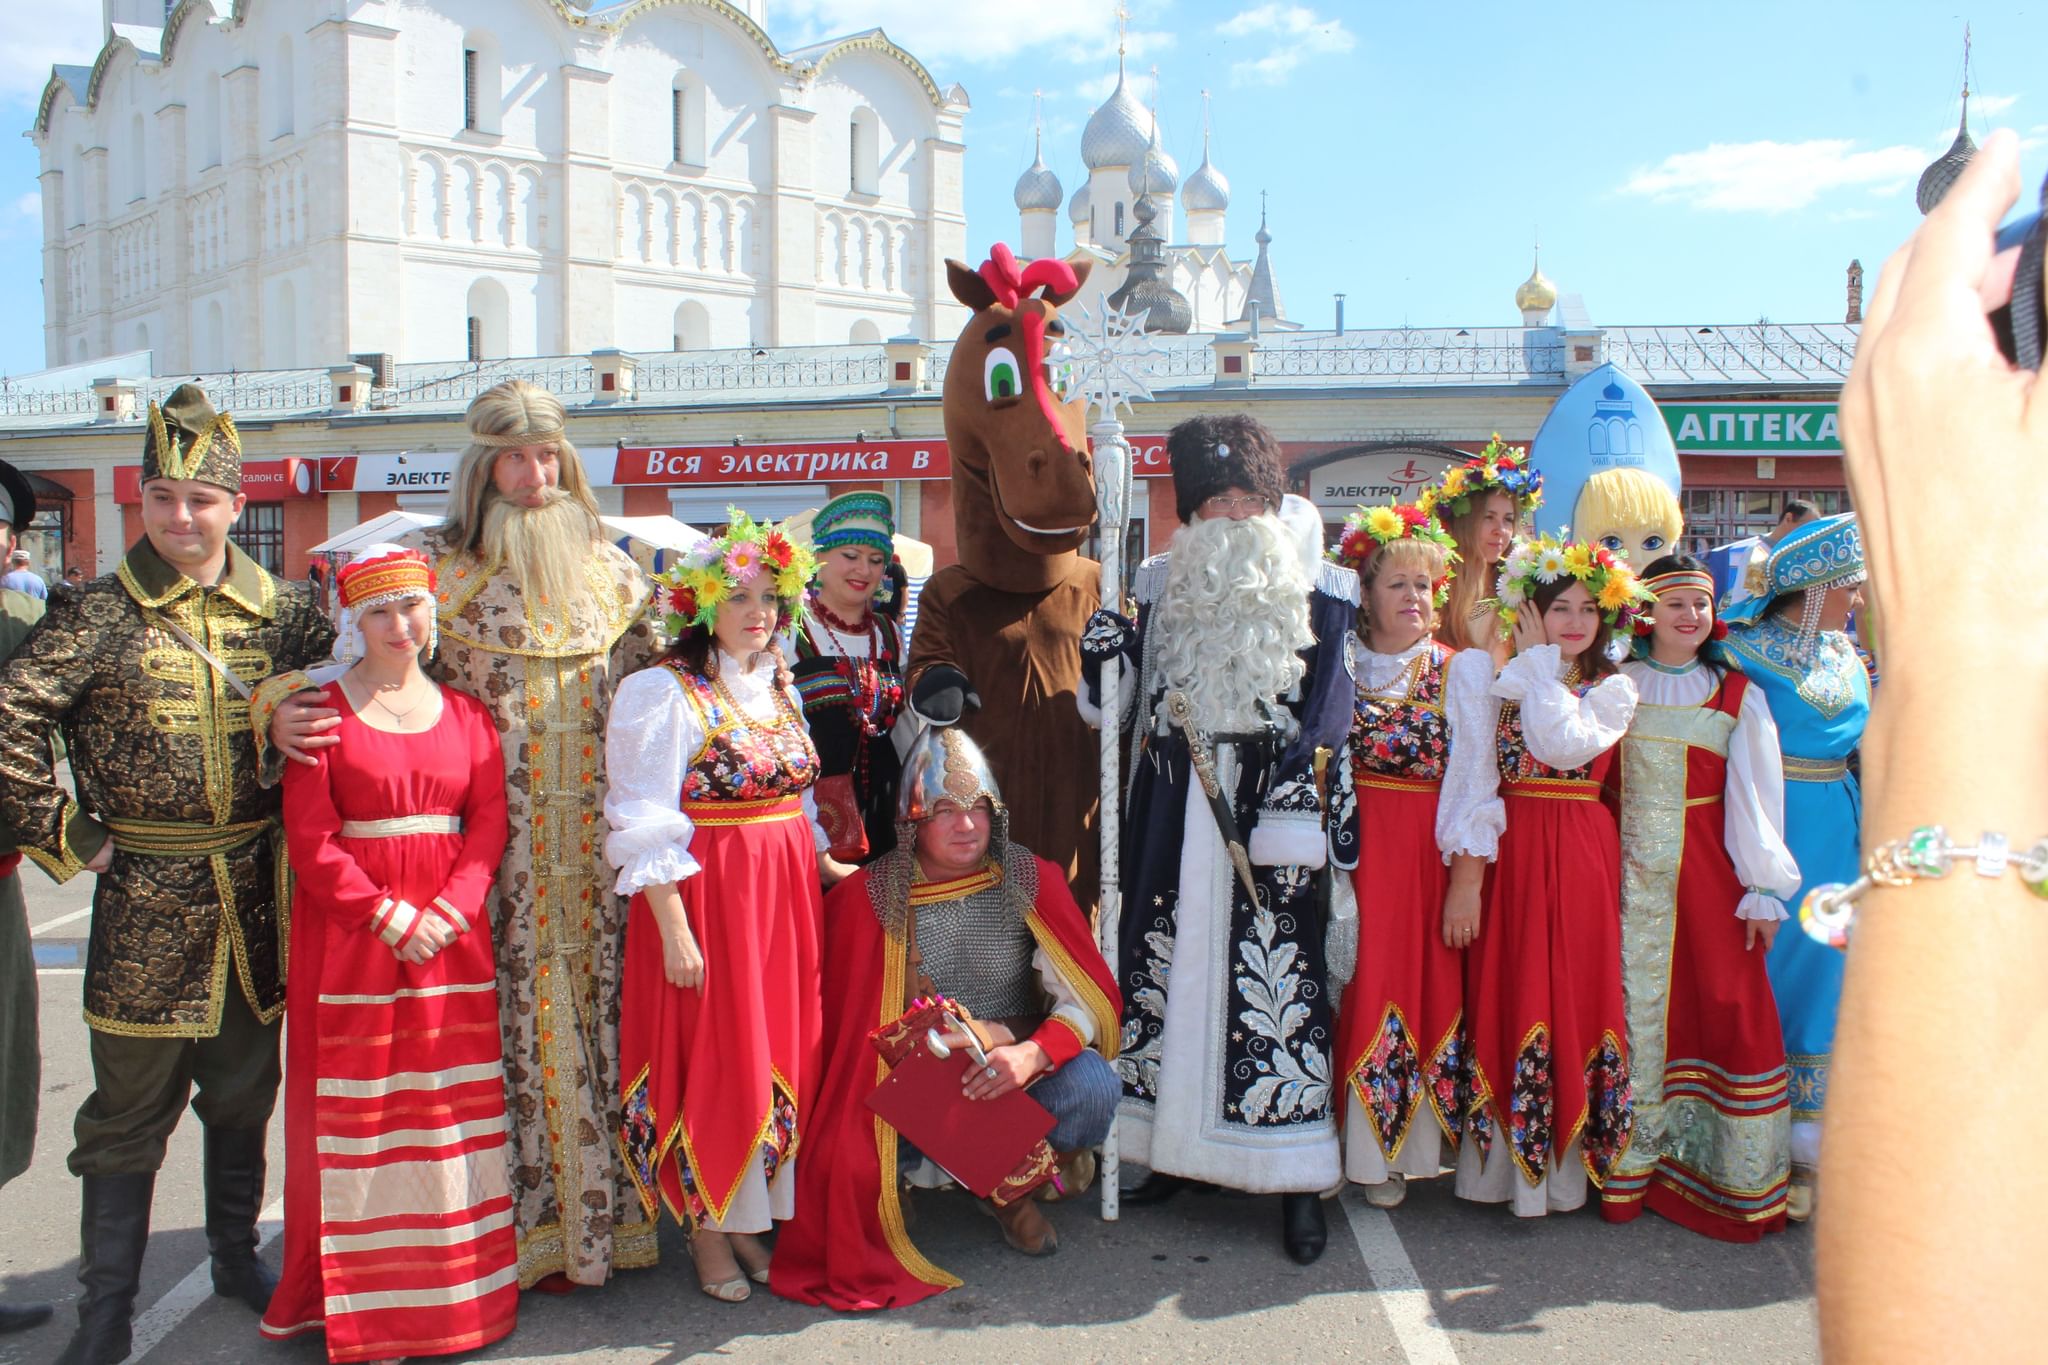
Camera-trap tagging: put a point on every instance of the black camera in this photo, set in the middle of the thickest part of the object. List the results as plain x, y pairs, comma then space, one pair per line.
2020, 324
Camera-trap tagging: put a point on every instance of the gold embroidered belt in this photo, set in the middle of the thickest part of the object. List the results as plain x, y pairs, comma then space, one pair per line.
167, 839
399, 826
1552, 788
1815, 769
1388, 782
714, 814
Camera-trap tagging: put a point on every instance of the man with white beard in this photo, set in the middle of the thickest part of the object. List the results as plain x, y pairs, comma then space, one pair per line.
539, 619
1242, 679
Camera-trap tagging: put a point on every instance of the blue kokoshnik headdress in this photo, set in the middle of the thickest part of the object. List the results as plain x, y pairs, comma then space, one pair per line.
1822, 554
855, 519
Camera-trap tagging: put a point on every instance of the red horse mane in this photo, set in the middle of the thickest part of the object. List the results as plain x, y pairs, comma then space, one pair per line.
1009, 283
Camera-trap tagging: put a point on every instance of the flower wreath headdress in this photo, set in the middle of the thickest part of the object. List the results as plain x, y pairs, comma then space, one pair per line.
1500, 468
705, 576
1369, 530
1538, 563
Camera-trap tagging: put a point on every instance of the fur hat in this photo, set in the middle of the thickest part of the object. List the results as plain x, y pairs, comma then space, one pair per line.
1212, 454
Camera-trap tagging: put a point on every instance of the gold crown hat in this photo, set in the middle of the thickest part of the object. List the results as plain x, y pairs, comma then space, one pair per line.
187, 439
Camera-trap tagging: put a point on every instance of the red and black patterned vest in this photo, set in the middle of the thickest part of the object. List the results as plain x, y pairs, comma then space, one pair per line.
1409, 737
743, 759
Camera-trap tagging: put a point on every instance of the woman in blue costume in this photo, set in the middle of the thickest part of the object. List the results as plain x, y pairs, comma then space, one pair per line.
1789, 639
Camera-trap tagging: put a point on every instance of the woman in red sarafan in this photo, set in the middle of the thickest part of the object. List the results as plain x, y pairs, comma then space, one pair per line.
1705, 874
1400, 1034
716, 838
398, 1235
1550, 1104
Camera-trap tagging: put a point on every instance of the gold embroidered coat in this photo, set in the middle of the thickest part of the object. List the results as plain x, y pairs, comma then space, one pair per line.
164, 760
558, 926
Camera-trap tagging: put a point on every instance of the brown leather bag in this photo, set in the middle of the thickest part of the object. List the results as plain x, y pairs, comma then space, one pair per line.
839, 813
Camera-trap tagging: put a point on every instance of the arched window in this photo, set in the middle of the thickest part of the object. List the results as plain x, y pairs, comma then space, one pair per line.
483, 83
693, 326
1119, 218
864, 333
208, 129
282, 86
138, 159
864, 137
141, 336
686, 120
282, 332
214, 353
489, 321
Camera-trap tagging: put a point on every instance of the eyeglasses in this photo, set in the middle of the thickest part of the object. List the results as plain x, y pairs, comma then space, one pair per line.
1224, 505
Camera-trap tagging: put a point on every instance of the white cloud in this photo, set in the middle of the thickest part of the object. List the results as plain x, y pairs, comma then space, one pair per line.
1774, 177
1299, 33
29, 205
970, 32
64, 31
1991, 106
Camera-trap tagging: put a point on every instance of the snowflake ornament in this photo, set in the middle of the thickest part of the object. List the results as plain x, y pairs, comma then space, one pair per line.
1108, 358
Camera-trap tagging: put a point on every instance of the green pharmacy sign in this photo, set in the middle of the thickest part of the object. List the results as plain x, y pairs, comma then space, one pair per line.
1754, 428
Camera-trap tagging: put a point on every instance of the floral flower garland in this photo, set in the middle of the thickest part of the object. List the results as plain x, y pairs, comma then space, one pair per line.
1538, 563
1370, 529
1500, 468
707, 575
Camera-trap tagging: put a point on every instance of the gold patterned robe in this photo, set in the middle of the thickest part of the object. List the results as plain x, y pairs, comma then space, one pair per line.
558, 926
161, 748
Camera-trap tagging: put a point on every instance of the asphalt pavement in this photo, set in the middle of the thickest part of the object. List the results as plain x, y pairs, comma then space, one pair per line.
1201, 1278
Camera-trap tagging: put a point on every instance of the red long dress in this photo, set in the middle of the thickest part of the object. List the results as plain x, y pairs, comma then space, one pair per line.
1712, 1145
397, 1206
717, 1078
1400, 1034
1543, 1001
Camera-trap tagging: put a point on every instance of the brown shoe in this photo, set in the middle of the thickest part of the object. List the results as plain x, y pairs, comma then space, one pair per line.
1024, 1227
1077, 1173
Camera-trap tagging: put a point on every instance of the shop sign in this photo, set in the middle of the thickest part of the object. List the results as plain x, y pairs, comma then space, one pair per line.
262, 481
796, 462
406, 472
1754, 428
1378, 478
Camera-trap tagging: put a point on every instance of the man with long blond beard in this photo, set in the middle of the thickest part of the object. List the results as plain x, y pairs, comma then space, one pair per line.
1242, 677
539, 619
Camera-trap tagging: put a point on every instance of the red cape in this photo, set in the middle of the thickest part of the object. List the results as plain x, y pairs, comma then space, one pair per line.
847, 1247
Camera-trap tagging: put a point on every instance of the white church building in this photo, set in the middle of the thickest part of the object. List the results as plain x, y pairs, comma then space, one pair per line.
271, 184
1123, 161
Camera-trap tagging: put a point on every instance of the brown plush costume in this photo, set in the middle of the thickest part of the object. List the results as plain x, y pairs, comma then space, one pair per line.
1003, 626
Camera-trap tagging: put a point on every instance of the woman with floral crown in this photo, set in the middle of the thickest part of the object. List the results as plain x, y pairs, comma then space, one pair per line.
1550, 1104
716, 839
393, 1061
1400, 1039
1482, 504
849, 671
1704, 876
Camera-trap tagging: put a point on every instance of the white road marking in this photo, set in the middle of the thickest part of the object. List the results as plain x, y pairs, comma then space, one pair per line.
47, 925
161, 1318
1401, 1295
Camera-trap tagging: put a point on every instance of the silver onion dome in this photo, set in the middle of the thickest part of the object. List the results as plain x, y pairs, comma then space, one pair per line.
1038, 187
1206, 191
1077, 207
1155, 172
1943, 171
1118, 132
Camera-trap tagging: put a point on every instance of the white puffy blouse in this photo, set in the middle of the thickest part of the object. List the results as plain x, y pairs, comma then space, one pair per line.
1561, 728
651, 737
1755, 794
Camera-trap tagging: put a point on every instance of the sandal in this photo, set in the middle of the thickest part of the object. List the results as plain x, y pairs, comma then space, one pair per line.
733, 1289
742, 1244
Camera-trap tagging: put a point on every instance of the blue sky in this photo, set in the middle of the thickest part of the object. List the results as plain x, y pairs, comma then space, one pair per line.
1678, 168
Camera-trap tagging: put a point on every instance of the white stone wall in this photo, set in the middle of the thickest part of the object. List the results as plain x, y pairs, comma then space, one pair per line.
294, 183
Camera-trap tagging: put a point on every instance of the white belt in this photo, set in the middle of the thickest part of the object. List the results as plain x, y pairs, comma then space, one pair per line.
401, 825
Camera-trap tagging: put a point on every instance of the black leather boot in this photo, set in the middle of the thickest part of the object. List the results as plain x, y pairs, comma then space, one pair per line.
1302, 1228
234, 1196
1158, 1187
20, 1317
113, 1229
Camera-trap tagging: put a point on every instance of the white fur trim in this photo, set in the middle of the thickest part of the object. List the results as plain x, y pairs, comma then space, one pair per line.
1287, 841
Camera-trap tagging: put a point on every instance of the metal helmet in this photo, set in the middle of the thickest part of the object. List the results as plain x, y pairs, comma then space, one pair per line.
944, 765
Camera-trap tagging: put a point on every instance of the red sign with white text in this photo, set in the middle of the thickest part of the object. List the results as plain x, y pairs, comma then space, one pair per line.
262, 481
797, 462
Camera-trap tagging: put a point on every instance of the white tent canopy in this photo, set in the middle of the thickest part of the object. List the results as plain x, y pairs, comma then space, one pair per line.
644, 538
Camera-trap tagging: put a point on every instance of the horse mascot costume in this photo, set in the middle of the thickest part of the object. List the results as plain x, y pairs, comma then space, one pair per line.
997, 645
